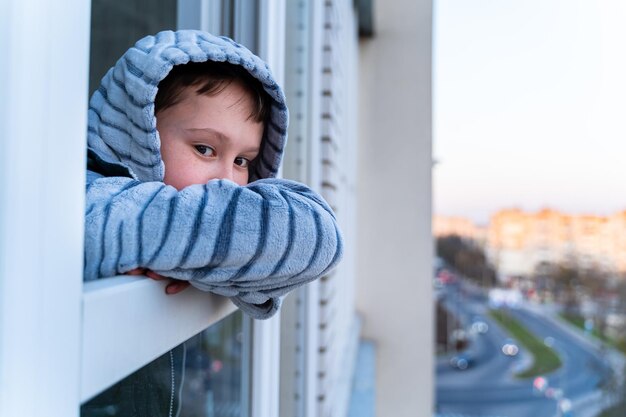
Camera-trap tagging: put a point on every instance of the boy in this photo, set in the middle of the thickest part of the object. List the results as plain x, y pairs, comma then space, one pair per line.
185, 136
186, 133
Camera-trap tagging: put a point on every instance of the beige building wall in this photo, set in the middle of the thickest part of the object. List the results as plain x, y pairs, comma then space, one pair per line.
508, 239
591, 240
395, 247
459, 226
617, 227
519, 241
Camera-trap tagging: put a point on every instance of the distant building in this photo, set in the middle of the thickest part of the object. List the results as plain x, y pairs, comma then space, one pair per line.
518, 242
459, 226
616, 227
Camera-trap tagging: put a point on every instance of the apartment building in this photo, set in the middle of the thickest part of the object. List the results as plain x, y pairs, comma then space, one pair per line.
354, 108
459, 226
518, 241
616, 226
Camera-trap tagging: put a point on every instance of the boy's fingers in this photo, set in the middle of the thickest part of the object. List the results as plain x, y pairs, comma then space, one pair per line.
175, 287
154, 275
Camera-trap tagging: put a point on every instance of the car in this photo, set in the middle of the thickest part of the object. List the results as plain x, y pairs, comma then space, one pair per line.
510, 348
479, 327
446, 277
461, 361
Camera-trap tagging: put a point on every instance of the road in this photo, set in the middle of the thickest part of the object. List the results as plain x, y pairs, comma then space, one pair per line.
489, 388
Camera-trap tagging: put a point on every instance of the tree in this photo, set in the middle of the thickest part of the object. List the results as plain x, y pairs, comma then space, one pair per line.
467, 258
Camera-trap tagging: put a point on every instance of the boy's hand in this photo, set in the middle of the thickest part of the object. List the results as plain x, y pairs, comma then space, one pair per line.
174, 287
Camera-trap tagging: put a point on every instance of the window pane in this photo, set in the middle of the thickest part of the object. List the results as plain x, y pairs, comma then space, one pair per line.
213, 371
202, 377
117, 24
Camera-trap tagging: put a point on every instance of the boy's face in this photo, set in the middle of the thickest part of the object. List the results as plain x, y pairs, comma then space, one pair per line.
209, 137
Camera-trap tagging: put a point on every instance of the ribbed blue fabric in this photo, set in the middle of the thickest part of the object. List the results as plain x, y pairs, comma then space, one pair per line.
252, 243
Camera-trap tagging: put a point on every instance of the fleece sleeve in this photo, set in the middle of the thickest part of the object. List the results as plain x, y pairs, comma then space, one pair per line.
252, 243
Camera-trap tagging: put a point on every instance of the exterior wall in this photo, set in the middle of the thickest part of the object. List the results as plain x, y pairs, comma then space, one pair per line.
590, 237
394, 240
617, 224
508, 241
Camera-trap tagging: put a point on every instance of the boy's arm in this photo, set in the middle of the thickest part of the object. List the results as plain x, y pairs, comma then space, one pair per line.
253, 243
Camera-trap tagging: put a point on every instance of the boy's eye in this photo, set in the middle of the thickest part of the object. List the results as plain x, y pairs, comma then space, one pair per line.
242, 162
204, 150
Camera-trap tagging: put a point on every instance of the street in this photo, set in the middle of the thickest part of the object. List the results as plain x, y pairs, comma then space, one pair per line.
489, 387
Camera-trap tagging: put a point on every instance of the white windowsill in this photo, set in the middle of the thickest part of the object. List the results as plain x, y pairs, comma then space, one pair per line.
143, 324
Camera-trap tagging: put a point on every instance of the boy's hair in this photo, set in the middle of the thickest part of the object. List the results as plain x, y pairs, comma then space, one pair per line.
211, 78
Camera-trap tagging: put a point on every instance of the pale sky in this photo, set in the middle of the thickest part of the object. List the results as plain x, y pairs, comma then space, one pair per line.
529, 106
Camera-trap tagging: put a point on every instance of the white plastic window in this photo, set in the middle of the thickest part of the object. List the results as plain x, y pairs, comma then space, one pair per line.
68, 334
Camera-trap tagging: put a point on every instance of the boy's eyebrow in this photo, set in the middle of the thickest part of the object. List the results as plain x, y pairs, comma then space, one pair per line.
219, 136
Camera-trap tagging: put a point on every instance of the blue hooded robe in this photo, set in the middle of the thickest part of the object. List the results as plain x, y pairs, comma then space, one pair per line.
252, 243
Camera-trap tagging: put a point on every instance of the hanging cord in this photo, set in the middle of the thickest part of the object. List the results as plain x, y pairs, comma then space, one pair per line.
173, 391
173, 381
182, 381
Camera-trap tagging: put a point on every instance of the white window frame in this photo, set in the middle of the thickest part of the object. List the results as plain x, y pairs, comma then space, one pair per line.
266, 334
311, 292
128, 322
305, 303
43, 119
63, 341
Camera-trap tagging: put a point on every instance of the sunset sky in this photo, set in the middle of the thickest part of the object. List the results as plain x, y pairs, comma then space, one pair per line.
529, 104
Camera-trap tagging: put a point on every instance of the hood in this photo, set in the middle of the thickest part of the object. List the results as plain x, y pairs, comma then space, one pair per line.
121, 122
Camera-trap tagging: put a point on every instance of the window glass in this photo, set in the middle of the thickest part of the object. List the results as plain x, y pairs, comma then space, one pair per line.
530, 211
117, 24
202, 377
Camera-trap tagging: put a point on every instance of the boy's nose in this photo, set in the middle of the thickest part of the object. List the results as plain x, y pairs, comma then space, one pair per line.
226, 172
